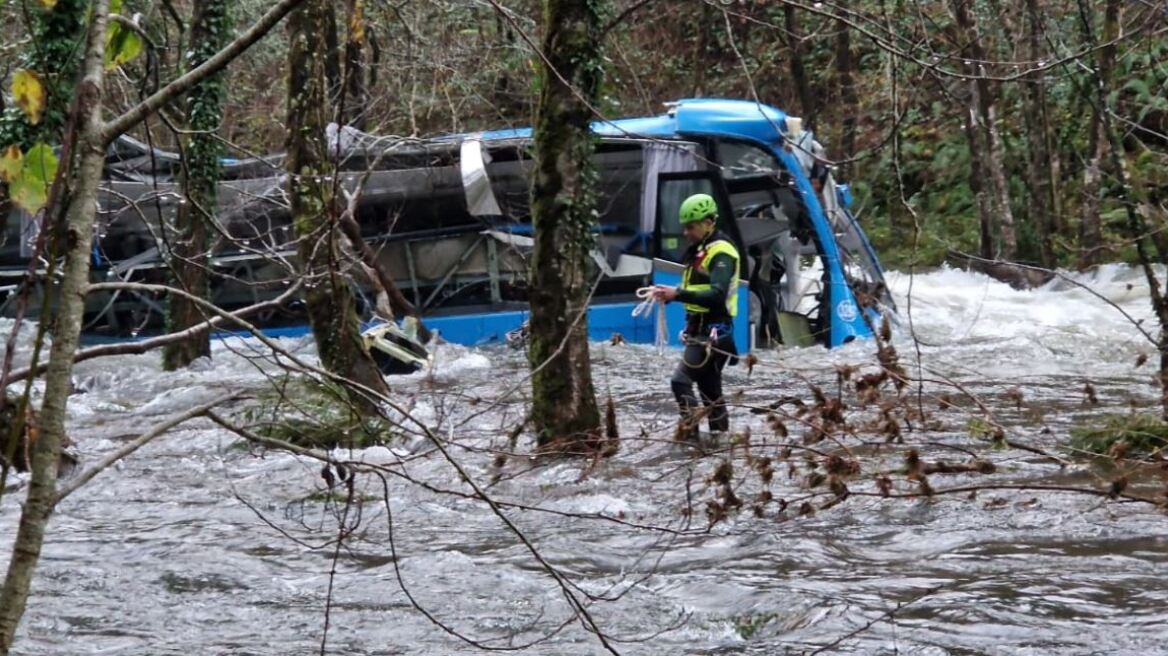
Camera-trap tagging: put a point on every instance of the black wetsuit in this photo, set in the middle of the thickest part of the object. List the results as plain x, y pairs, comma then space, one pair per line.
700, 364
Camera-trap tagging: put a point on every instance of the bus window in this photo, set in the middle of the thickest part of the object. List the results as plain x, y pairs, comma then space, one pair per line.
672, 190
618, 185
740, 159
755, 180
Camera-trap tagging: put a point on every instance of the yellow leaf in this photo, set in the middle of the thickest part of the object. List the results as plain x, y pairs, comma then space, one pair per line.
28, 195
11, 163
49, 4
29, 94
357, 22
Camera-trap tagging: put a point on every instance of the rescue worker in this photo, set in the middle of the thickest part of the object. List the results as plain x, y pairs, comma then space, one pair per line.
709, 291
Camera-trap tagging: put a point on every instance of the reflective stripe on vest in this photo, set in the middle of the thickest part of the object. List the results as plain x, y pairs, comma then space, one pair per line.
713, 249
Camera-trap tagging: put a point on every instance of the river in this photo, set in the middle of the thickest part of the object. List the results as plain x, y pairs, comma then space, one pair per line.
199, 545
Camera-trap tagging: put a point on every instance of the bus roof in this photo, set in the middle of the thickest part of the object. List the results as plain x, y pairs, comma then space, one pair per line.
690, 116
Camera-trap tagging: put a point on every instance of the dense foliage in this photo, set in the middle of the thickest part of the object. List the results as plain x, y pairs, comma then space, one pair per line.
881, 81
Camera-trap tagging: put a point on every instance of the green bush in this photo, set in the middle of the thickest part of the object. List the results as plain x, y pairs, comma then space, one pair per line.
316, 414
1122, 435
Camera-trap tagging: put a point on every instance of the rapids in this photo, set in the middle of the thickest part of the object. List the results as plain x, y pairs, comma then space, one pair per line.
199, 545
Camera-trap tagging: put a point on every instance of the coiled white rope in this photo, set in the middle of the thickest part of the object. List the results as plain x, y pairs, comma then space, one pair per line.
645, 308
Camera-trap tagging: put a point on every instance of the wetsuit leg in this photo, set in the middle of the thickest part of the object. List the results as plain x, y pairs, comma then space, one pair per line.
688, 371
709, 381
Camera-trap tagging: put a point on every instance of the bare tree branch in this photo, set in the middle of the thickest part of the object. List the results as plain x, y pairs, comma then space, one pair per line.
118, 126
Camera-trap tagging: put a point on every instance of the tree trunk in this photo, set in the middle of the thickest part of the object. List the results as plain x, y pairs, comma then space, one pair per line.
849, 102
354, 92
996, 165
1091, 242
985, 212
798, 71
84, 159
331, 308
79, 222
332, 54
983, 115
398, 303
564, 411
210, 31
1040, 171
1101, 82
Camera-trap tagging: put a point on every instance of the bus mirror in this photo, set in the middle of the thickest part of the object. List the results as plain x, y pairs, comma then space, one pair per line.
844, 193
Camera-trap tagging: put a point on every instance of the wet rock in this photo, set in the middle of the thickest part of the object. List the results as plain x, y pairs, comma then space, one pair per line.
1018, 276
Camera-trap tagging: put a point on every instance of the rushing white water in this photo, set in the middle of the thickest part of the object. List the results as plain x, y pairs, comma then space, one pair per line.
195, 545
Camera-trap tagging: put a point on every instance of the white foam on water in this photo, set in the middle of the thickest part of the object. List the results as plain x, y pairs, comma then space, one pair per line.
1075, 324
598, 503
451, 362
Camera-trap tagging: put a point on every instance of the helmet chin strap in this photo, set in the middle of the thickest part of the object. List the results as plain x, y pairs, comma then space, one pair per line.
710, 227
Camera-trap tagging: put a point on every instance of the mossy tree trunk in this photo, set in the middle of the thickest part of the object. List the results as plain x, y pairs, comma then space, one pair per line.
210, 30
331, 307
564, 411
799, 76
56, 35
52, 52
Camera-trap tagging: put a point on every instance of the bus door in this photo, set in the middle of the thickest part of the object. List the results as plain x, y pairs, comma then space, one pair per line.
669, 245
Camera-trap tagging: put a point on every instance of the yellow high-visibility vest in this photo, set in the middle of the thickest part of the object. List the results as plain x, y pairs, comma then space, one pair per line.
696, 276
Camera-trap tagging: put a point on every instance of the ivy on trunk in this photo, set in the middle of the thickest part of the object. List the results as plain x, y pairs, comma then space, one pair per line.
210, 31
564, 411
329, 297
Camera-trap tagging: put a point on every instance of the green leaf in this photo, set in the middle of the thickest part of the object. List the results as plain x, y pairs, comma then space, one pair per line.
28, 195
30, 189
122, 44
1139, 86
40, 162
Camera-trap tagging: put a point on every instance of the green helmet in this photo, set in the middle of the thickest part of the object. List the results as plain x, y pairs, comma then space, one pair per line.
698, 207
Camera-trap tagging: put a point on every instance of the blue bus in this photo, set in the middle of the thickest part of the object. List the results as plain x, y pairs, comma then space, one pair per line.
810, 272
449, 220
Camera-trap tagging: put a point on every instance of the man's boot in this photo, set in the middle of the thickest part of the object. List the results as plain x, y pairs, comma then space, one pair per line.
688, 427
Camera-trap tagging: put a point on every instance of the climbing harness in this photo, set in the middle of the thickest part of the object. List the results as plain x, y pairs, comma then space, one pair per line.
707, 343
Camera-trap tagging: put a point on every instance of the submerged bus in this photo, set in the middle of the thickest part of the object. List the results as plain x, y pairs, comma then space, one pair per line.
449, 219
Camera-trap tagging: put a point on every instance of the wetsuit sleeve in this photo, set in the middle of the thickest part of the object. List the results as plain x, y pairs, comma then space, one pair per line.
721, 277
